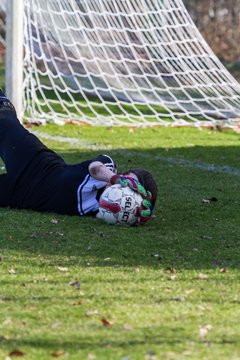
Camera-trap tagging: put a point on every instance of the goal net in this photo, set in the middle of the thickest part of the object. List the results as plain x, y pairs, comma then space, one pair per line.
131, 62
2, 26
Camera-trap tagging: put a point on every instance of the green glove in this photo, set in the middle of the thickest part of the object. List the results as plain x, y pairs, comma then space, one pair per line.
129, 181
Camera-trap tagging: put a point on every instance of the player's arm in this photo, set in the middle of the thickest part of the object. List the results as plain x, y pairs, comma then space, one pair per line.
100, 172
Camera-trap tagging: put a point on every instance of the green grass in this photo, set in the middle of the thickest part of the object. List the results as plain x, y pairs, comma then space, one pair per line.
170, 289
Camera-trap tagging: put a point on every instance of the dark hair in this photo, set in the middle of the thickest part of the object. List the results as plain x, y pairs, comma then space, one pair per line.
147, 180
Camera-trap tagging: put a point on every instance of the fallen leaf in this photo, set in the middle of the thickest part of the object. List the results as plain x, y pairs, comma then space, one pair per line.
58, 353
204, 330
189, 291
209, 200
80, 302
206, 237
3, 338
105, 322
8, 321
54, 221
91, 312
55, 325
127, 327
16, 353
5, 299
107, 259
203, 276
187, 353
12, 271
179, 298
150, 355
21, 324
63, 269
75, 284
91, 356
206, 201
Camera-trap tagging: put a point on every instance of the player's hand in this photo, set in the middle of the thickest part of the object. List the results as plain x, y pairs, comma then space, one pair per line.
144, 212
129, 181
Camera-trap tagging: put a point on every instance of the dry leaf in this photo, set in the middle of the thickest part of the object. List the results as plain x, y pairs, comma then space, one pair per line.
204, 330
210, 200
91, 312
127, 327
179, 298
91, 356
206, 201
58, 353
3, 338
8, 321
75, 284
54, 221
6, 299
203, 276
16, 353
80, 302
105, 322
107, 259
63, 269
12, 271
56, 325
150, 355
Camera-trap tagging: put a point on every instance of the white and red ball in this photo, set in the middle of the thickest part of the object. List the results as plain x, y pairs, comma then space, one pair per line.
118, 205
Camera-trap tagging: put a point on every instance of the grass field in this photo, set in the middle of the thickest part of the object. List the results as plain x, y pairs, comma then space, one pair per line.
76, 288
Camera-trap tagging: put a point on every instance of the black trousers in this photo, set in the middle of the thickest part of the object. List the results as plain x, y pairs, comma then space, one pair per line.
18, 149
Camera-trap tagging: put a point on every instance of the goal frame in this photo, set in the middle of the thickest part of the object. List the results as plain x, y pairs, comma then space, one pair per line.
14, 54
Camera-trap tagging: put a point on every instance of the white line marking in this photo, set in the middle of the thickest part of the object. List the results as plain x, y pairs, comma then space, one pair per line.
176, 161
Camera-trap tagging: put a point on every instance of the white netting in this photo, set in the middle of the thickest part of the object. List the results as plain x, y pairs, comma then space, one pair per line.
2, 25
122, 62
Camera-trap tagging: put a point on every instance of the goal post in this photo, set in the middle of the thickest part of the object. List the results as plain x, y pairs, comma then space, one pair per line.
125, 62
14, 53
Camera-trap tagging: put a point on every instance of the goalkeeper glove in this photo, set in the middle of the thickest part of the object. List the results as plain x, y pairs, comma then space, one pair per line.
144, 212
129, 181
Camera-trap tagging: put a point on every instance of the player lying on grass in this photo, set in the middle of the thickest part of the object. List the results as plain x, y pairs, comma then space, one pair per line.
39, 179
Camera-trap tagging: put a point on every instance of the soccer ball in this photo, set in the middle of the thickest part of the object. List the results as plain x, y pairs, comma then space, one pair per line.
118, 205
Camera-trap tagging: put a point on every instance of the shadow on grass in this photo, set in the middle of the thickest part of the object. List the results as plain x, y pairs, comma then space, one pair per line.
154, 336
185, 232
